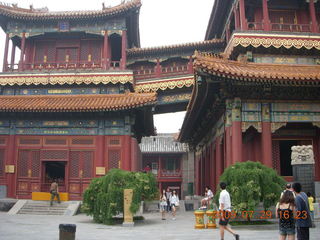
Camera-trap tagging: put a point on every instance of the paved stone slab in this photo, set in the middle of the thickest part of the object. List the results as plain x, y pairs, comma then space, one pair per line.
17, 227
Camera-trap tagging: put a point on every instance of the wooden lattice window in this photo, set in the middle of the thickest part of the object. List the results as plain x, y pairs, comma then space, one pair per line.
114, 142
56, 141
87, 164
29, 141
82, 141
54, 155
114, 157
74, 164
3, 141
2, 162
23, 163
35, 163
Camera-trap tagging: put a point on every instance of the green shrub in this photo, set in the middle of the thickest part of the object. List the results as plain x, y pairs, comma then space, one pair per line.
103, 199
250, 183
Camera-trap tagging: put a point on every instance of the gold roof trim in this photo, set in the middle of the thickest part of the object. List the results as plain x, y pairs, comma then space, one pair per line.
50, 79
164, 84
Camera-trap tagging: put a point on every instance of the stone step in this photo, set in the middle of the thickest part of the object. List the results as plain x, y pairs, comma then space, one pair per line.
43, 213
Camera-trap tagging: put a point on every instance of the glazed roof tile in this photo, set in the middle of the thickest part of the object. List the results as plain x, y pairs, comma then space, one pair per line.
76, 103
258, 72
12, 11
162, 143
149, 50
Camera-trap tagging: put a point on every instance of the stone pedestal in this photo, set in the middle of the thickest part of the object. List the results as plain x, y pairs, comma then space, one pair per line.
128, 216
302, 161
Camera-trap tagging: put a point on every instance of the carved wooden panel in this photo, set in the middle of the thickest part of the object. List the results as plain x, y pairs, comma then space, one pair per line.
74, 188
23, 186
23, 156
87, 166
74, 164
35, 163
276, 155
54, 155
35, 187
114, 158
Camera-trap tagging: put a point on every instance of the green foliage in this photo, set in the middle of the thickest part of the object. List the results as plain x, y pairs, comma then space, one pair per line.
103, 199
250, 183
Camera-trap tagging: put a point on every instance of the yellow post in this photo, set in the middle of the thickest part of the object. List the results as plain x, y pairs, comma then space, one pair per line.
211, 219
199, 219
127, 215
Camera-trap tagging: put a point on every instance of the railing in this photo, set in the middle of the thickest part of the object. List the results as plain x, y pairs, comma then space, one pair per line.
55, 65
290, 27
255, 26
283, 27
115, 64
170, 173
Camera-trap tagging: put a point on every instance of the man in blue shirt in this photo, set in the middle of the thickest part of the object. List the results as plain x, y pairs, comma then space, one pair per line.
303, 219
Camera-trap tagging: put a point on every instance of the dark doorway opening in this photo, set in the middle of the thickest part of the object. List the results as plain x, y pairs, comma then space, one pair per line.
115, 42
54, 170
285, 156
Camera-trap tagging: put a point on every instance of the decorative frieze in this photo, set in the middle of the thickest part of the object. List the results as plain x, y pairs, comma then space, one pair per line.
277, 125
236, 110
246, 125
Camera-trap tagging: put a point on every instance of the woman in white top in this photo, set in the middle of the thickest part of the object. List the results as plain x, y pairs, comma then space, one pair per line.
174, 202
163, 204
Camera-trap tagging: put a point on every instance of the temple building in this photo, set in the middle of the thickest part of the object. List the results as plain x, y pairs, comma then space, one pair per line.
82, 94
260, 95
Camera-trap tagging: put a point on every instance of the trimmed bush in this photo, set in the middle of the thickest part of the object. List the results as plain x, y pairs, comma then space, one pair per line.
103, 199
250, 183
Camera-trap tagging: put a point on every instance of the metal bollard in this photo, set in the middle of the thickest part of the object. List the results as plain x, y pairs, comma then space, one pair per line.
67, 231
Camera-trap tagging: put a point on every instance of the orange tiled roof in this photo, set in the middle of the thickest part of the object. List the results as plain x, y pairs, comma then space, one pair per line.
259, 72
13, 11
148, 50
76, 103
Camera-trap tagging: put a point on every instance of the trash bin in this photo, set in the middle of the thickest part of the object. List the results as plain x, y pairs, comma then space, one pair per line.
67, 232
199, 214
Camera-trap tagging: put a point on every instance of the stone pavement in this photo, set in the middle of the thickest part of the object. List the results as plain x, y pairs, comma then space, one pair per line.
32, 227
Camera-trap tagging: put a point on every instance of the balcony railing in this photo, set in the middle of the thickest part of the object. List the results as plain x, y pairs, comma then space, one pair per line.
283, 27
170, 173
150, 72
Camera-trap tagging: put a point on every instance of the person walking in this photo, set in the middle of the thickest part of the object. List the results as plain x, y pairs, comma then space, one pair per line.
174, 202
303, 219
168, 196
285, 212
225, 211
54, 191
311, 207
163, 204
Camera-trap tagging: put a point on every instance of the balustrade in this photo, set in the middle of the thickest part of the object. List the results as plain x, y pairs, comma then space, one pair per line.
283, 27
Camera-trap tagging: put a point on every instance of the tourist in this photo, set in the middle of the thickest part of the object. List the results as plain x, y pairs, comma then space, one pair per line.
285, 212
288, 187
147, 168
163, 204
174, 202
168, 196
311, 207
54, 191
303, 219
205, 202
225, 211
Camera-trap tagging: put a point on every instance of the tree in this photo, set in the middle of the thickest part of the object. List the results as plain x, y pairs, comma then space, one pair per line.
103, 199
250, 183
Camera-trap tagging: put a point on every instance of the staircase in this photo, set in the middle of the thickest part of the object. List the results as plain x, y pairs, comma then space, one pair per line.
68, 208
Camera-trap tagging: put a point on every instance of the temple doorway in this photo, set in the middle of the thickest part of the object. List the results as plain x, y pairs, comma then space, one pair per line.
54, 170
285, 154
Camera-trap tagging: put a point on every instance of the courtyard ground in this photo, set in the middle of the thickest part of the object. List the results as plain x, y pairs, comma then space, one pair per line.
33, 227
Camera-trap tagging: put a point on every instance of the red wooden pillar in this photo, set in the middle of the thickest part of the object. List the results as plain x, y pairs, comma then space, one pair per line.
5, 56
123, 49
10, 160
99, 158
127, 154
23, 43
314, 27
236, 131
236, 18
218, 169
266, 19
158, 68
228, 133
228, 32
106, 64
266, 139
243, 20
13, 53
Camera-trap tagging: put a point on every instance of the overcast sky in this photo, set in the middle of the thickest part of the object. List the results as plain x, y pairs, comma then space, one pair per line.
162, 22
